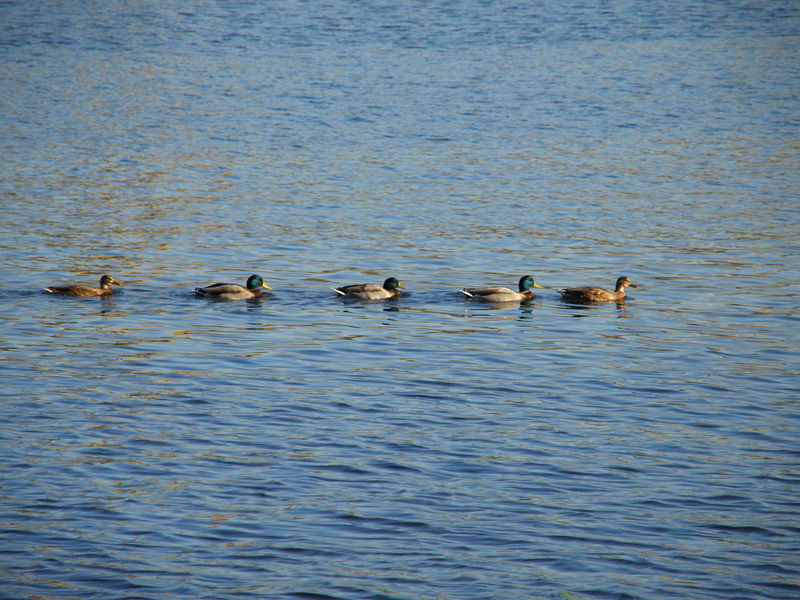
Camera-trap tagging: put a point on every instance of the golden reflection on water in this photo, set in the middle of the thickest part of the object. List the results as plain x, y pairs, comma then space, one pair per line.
190, 145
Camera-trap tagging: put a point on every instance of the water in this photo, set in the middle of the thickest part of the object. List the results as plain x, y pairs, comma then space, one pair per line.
155, 445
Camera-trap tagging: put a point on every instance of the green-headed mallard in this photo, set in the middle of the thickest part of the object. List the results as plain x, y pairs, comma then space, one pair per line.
504, 294
106, 281
233, 291
596, 294
371, 291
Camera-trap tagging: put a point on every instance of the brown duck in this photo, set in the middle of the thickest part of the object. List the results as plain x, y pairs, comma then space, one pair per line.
106, 281
596, 294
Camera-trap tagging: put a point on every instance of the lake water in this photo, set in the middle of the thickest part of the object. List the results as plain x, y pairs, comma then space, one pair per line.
155, 445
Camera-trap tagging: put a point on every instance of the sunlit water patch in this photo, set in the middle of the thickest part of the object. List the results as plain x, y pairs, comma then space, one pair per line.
300, 445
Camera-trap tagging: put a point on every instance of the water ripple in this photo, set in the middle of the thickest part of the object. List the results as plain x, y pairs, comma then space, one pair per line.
155, 444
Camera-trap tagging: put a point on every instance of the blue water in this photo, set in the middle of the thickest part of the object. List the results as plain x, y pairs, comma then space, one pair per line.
156, 445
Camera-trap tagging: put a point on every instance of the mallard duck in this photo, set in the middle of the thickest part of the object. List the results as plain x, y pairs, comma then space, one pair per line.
106, 281
504, 294
596, 294
371, 291
233, 291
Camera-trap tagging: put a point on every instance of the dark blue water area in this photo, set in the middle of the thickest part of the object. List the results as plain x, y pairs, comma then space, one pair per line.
415, 448
154, 444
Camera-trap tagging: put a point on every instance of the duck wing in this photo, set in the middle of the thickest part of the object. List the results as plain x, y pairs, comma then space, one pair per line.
76, 290
488, 291
221, 288
586, 292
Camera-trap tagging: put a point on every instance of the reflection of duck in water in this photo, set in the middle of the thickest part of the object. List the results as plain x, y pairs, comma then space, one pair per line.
371, 291
232, 291
596, 294
106, 281
503, 294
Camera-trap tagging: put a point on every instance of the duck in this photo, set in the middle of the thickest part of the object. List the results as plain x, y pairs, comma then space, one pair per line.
504, 294
372, 291
85, 291
232, 291
596, 294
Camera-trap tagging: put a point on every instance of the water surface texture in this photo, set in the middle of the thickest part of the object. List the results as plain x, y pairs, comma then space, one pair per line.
155, 445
